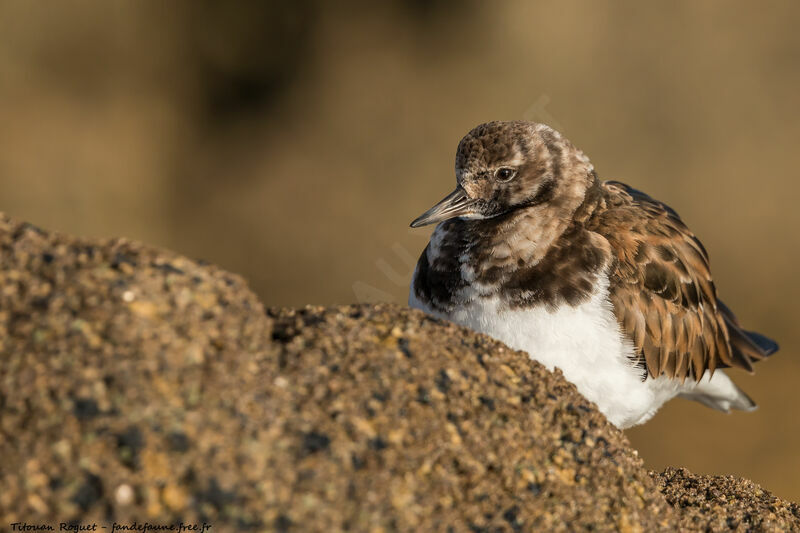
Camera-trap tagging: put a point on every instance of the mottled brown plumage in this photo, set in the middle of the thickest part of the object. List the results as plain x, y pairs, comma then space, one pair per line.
542, 232
662, 290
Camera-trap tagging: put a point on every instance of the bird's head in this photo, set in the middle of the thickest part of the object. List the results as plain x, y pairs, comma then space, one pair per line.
505, 166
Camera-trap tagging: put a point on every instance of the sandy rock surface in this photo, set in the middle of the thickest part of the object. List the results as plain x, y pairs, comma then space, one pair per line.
723, 503
140, 386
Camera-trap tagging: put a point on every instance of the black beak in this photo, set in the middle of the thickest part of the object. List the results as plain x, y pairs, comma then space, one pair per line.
455, 204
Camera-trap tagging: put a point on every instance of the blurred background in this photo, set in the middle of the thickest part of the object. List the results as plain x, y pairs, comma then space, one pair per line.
293, 142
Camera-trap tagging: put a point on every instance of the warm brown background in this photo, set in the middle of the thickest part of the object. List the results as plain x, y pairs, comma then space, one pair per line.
293, 142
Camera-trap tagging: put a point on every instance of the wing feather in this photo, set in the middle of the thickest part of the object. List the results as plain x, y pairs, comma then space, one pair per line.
663, 294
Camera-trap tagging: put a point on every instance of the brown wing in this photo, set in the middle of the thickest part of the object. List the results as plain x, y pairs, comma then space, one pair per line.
663, 294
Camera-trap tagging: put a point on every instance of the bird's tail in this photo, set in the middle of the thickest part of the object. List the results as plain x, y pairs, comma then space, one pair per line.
747, 347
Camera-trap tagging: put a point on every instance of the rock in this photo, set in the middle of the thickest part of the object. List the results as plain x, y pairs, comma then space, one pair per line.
390, 419
722, 503
138, 385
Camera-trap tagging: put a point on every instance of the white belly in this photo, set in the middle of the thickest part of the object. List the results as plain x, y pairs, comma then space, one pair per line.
585, 342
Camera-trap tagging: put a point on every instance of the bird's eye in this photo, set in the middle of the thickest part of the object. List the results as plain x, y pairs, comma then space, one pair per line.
504, 173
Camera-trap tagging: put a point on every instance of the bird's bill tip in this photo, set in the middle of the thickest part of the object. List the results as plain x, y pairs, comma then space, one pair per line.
455, 204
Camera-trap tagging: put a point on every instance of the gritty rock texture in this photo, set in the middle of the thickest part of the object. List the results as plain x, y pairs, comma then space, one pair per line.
128, 383
138, 385
722, 503
391, 419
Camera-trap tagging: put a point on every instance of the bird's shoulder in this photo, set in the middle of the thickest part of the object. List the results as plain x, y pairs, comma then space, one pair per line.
638, 227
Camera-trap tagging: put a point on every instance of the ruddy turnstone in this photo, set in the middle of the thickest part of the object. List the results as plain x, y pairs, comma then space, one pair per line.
593, 277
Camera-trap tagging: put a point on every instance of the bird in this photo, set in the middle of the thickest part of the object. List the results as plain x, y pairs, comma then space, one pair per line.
593, 277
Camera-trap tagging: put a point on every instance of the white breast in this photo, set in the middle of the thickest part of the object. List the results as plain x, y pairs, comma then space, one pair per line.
585, 342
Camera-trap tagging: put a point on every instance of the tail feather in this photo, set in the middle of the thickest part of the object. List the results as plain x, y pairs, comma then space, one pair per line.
767, 345
746, 346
